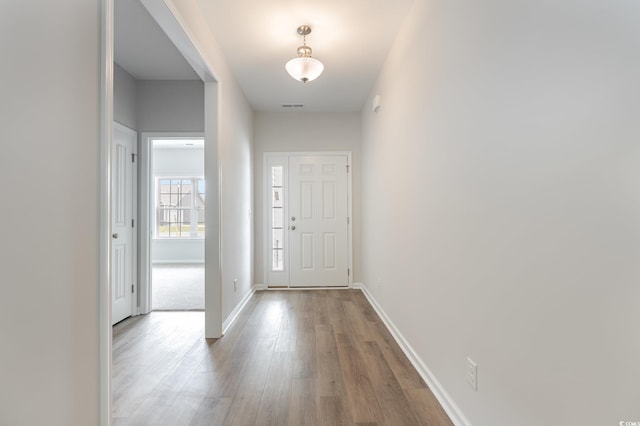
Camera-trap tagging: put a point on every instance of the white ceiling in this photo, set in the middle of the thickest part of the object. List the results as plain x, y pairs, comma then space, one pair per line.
351, 38
143, 49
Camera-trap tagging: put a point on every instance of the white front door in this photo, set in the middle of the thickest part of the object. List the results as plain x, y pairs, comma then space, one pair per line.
318, 221
123, 150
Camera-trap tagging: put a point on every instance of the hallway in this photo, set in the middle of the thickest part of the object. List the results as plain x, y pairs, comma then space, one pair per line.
292, 357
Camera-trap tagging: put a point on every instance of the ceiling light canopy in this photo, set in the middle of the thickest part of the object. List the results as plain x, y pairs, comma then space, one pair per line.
304, 68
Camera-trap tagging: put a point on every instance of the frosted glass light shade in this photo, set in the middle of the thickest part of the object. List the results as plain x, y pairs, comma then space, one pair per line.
304, 69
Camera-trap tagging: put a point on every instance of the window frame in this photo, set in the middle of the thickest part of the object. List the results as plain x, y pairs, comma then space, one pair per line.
195, 179
275, 277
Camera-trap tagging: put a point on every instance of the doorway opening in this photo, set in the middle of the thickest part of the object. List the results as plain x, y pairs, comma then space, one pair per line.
175, 222
173, 28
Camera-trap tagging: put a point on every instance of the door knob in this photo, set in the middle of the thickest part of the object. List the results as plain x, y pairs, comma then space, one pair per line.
293, 227
293, 218
115, 236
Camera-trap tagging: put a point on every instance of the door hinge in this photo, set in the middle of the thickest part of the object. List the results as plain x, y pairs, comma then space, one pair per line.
133, 158
348, 272
132, 223
131, 288
348, 222
347, 168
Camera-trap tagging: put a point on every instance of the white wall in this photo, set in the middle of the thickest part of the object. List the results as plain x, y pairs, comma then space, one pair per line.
282, 132
125, 94
49, 248
235, 159
502, 205
170, 106
172, 162
188, 161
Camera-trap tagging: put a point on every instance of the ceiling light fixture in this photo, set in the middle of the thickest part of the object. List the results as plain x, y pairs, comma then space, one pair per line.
304, 68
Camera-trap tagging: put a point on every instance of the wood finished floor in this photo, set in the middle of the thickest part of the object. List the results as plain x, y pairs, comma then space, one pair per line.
291, 358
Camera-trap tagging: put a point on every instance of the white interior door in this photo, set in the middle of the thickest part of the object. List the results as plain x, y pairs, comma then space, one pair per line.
123, 152
318, 221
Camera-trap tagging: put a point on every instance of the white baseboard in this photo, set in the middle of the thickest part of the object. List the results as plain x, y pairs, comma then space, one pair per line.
356, 285
305, 288
447, 403
234, 314
177, 262
260, 287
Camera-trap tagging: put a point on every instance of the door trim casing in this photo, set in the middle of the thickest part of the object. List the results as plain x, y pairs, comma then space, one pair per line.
267, 156
104, 201
145, 209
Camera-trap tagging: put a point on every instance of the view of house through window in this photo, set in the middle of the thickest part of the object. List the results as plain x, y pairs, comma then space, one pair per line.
180, 207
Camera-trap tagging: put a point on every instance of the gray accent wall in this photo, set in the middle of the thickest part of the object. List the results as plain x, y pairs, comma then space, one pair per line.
170, 106
158, 105
125, 98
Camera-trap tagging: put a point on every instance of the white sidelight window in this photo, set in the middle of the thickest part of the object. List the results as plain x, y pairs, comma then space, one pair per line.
277, 218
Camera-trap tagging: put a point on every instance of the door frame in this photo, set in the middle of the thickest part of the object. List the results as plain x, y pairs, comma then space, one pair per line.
135, 200
146, 191
104, 221
270, 157
170, 20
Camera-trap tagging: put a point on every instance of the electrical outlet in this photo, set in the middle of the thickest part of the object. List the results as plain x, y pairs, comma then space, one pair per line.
235, 285
472, 374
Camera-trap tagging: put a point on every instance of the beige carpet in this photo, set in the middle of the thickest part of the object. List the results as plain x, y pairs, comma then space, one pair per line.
177, 287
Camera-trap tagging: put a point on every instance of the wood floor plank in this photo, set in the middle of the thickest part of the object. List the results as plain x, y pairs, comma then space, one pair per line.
287, 335
308, 357
243, 411
330, 375
302, 405
429, 410
320, 307
212, 411
362, 398
254, 376
305, 356
181, 411
337, 315
274, 406
153, 409
397, 410
333, 411
404, 371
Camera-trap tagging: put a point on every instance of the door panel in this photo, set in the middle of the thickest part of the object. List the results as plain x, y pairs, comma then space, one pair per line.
122, 175
330, 260
318, 227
